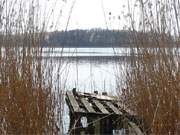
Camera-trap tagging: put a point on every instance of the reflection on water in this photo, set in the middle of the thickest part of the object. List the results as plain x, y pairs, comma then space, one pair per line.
69, 52
90, 69
87, 72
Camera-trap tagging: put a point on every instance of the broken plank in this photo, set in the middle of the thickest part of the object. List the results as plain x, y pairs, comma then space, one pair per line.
115, 110
101, 107
73, 101
87, 105
120, 105
135, 128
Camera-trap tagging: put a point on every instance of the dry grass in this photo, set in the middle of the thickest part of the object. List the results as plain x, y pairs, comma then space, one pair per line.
153, 88
153, 92
28, 102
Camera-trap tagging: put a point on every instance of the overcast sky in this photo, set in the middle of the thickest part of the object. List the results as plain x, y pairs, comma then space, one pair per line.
87, 14
90, 14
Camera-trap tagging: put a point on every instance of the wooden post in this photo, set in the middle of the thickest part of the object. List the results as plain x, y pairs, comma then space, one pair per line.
106, 126
97, 127
90, 128
75, 124
95, 107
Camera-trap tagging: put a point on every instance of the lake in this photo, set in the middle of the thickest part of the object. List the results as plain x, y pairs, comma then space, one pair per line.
87, 70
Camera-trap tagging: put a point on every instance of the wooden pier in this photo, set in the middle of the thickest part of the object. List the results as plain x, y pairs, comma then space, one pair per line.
93, 113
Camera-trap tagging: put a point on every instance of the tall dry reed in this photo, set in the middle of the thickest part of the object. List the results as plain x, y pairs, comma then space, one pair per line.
28, 102
153, 81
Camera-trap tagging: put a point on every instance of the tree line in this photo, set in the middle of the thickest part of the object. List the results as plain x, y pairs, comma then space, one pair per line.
88, 38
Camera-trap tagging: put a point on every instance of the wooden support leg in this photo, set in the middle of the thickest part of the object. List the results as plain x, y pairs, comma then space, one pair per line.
106, 127
75, 125
125, 125
90, 128
72, 121
94, 127
97, 127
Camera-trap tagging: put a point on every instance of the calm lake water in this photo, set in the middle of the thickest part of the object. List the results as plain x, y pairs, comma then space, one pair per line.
87, 70
90, 69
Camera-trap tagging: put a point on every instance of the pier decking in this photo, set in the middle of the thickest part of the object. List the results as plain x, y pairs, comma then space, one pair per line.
104, 114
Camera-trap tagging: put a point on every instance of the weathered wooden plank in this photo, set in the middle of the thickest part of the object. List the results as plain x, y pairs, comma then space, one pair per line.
87, 105
120, 105
115, 110
135, 128
123, 107
73, 101
99, 97
101, 107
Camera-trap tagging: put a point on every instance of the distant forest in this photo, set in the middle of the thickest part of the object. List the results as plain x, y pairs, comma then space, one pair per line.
102, 38
88, 38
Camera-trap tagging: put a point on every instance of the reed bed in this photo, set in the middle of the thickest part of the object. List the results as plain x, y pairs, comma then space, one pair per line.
29, 102
152, 82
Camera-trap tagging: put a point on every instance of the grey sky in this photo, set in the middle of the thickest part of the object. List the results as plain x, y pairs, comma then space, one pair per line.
87, 14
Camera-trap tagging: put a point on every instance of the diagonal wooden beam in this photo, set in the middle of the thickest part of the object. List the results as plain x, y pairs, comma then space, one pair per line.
115, 110
101, 107
87, 105
73, 101
135, 128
